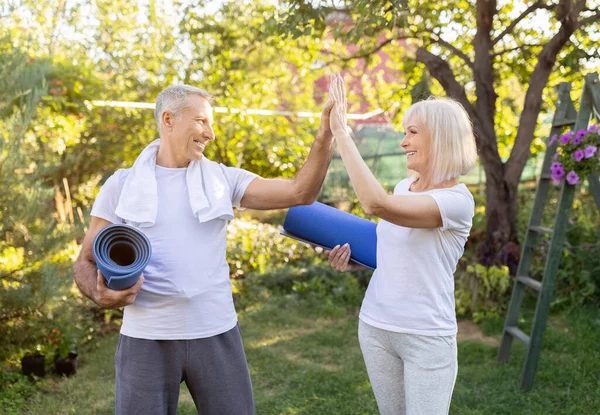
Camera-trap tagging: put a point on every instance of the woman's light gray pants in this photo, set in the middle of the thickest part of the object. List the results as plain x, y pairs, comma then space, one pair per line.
410, 374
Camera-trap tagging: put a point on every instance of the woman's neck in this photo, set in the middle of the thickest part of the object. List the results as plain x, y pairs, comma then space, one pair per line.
425, 183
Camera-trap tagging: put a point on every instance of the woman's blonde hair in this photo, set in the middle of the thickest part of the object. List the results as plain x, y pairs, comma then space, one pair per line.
453, 147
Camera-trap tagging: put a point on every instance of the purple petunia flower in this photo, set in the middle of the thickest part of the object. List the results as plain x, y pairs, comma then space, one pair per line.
572, 178
565, 138
590, 151
593, 127
578, 155
558, 170
579, 136
552, 139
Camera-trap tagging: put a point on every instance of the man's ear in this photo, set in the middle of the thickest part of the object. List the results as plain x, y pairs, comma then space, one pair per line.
167, 119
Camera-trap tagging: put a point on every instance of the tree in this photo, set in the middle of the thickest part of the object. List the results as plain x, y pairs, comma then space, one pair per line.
495, 57
23, 200
233, 59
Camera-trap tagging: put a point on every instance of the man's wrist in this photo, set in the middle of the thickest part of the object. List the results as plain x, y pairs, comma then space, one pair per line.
324, 135
95, 297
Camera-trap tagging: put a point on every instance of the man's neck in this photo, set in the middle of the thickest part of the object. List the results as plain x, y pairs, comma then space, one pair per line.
166, 157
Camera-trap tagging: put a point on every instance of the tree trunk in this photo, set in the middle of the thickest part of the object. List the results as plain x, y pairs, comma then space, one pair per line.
501, 246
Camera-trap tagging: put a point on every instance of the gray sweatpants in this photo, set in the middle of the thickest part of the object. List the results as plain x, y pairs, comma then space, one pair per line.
410, 374
149, 373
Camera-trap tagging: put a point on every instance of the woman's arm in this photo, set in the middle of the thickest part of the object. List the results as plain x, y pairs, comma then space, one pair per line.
415, 211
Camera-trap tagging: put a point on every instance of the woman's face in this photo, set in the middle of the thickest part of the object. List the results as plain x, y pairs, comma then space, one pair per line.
417, 145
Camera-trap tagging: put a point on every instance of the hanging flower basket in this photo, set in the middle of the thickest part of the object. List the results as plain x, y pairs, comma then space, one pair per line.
577, 155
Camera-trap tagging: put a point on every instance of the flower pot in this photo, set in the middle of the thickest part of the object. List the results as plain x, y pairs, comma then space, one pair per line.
66, 366
33, 365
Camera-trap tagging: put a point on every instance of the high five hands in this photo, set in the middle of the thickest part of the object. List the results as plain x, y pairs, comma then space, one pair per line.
337, 93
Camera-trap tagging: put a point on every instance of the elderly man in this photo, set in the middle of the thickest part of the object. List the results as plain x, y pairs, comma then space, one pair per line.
179, 321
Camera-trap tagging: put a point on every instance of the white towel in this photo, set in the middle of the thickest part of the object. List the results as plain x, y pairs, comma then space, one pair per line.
207, 187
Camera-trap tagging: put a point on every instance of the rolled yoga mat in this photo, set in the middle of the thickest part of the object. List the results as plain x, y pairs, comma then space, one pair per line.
121, 253
326, 226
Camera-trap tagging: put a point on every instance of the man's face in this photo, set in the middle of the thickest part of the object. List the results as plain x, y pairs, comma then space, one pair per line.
190, 133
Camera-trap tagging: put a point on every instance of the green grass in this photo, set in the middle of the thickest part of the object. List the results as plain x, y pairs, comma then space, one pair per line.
306, 361
567, 380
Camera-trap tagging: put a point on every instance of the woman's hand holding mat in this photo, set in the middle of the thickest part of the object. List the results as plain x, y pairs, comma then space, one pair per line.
339, 258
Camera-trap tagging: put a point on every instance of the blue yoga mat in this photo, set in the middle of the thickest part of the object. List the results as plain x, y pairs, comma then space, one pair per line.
121, 253
326, 226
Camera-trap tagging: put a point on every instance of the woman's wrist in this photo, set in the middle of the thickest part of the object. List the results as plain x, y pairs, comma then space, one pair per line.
341, 134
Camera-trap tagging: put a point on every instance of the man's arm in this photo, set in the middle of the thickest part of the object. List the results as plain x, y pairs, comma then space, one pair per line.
304, 188
91, 282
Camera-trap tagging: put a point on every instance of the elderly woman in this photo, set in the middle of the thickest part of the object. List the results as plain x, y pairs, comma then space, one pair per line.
407, 328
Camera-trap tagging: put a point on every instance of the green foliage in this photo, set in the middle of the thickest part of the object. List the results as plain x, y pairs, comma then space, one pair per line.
482, 292
58, 144
578, 278
32, 254
254, 247
409, 24
483, 56
233, 58
318, 283
14, 390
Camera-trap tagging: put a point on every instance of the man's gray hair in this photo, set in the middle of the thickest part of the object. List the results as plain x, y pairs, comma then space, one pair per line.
174, 99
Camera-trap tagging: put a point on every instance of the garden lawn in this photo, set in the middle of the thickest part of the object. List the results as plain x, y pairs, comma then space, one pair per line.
306, 360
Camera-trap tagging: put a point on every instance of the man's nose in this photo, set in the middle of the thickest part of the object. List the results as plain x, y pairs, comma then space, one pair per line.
210, 133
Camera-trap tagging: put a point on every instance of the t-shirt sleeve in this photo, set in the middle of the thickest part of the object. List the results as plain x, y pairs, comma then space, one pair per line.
238, 180
106, 202
457, 208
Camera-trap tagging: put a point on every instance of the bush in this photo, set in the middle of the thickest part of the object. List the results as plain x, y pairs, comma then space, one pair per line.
14, 389
482, 292
255, 247
578, 278
317, 284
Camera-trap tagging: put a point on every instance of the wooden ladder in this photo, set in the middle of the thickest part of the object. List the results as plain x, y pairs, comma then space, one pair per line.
565, 116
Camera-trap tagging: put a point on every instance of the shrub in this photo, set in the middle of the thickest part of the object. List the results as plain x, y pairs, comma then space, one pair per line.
255, 247
14, 389
317, 283
482, 291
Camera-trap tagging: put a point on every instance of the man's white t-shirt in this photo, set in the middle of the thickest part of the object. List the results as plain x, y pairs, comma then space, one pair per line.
186, 292
412, 289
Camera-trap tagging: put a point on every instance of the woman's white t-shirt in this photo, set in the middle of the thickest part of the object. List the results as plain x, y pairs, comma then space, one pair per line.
412, 289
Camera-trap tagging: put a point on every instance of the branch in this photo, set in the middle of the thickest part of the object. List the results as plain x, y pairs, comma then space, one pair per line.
535, 6
502, 52
441, 71
10, 10
483, 70
592, 19
453, 48
364, 54
538, 80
